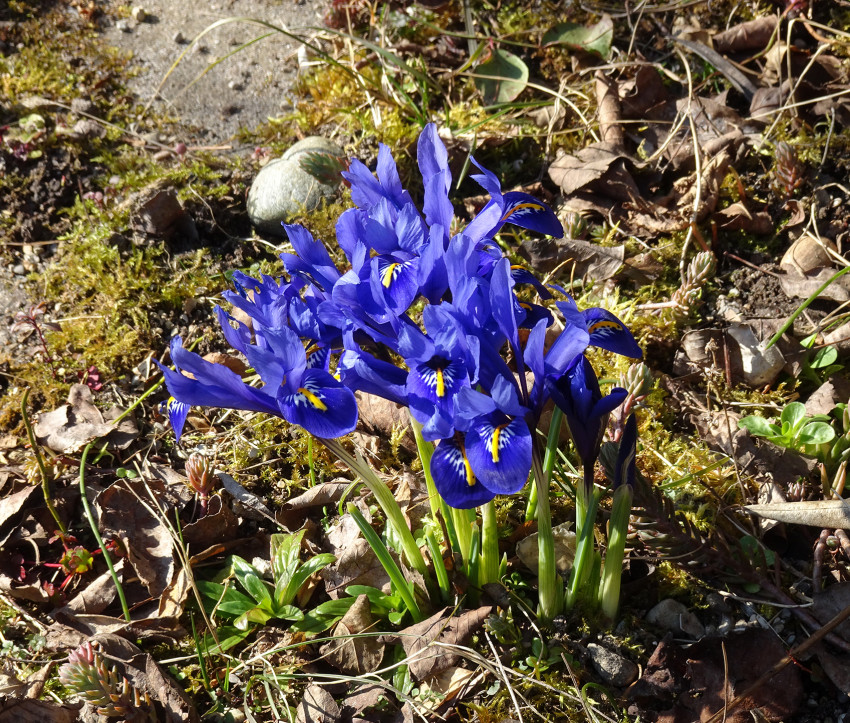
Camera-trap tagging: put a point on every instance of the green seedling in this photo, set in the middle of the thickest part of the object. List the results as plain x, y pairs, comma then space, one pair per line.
262, 600
541, 659
794, 430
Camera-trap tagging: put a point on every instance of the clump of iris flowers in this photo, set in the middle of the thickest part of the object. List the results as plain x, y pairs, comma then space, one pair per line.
474, 370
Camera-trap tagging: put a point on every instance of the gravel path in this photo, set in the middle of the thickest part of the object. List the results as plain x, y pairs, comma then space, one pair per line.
244, 89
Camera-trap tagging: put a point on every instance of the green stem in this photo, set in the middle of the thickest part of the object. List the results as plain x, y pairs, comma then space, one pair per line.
550, 599
439, 564
90, 517
310, 460
42, 470
587, 503
549, 457
386, 501
489, 571
387, 562
426, 451
474, 563
800, 309
461, 519
612, 569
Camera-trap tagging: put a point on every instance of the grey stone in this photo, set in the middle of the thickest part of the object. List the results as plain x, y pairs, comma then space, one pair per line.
675, 617
282, 188
613, 668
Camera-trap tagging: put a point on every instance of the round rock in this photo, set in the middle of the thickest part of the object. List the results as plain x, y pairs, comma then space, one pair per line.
675, 617
282, 188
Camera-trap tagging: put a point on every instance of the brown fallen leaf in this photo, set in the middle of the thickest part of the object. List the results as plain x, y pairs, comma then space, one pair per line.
356, 564
361, 698
13, 505
446, 685
218, 525
355, 655
737, 217
25, 710
72, 426
317, 706
144, 535
421, 642
326, 493
751, 35
574, 257
97, 595
575, 172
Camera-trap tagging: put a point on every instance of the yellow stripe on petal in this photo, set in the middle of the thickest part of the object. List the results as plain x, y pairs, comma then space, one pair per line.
494, 442
389, 272
470, 476
441, 383
519, 206
313, 399
603, 324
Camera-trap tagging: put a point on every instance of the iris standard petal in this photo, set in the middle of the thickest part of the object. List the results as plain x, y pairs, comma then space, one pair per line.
321, 405
608, 332
624, 471
500, 454
454, 478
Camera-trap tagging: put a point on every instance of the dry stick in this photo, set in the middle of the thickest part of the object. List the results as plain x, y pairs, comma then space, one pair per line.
789, 658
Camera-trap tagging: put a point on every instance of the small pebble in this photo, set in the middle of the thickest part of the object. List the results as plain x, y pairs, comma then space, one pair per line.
18, 270
179, 38
614, 669
139, 14
123, 26
234, 85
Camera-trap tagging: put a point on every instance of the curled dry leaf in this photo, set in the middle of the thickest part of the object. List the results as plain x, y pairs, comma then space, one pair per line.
144, 535
831, 514
751, 35
72, 426
317, 706
694, 683
421, 642
355, 655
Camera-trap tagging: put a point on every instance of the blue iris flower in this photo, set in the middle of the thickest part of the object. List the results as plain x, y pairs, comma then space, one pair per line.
176, 412
308, 397
586, 410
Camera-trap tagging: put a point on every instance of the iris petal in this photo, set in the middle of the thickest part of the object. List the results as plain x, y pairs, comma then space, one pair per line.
525, 211
608, 332
500, 454
214, 385
321, 404
176, 413
454, 479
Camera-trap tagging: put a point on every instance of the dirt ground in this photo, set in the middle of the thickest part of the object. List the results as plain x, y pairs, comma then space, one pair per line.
241, 91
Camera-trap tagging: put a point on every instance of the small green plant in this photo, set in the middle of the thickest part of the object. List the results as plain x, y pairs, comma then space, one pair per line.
325, 615
262, 600
794, 430
87, 674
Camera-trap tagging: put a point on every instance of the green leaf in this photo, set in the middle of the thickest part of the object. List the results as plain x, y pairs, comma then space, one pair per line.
758, 426
255, 616
228, 636
249, 578
313, 565
793, 414
286, 551
501, 78
816, 433
824, 357
314, 622
593, 39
